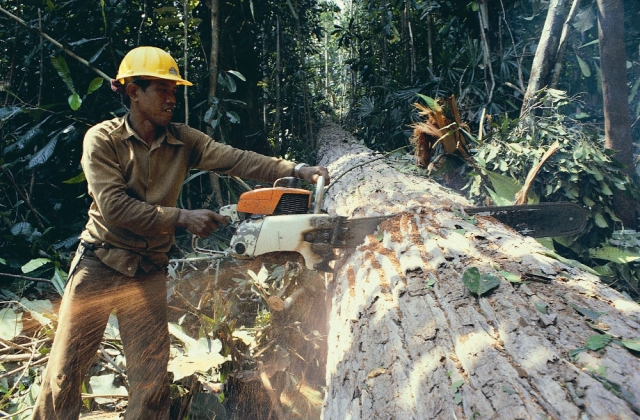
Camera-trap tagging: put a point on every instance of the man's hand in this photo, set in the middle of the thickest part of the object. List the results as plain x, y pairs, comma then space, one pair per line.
200, 222
312, 173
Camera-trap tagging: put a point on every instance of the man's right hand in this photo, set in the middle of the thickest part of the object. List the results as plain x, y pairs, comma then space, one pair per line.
200, 222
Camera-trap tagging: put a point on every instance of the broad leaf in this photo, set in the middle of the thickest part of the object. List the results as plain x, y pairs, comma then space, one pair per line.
615, 254
477, 283
584, 67
94, 85
10, 323
40, 310
44, 154
34, 264
200, 355
104, 385
8, 112
75, 101
597, 341
633, 344
238, 75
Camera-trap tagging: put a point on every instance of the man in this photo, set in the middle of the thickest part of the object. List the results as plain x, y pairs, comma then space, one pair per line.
135, 166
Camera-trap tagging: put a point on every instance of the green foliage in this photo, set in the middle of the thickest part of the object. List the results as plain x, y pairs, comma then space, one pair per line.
477, 283
581, 171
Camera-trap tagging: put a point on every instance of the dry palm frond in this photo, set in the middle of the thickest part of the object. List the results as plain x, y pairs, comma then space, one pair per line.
436, 129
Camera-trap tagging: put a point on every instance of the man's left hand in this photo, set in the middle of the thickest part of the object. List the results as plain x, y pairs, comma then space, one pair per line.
312, 173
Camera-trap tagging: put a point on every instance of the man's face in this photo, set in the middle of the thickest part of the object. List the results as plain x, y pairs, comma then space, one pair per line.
157, 103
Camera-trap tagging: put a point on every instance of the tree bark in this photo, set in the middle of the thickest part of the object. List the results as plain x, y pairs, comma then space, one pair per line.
617, 121
409, 341
545, 55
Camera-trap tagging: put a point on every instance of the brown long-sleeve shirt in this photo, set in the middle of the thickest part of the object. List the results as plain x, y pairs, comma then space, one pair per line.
135, 187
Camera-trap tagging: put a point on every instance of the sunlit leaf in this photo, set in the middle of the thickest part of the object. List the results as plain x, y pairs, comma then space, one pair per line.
105, 385
584, 67
237, 74
80, 178
34, 264
59, 279
10, 323
75, 101
477, 283
615, 254
633, 344
40, 310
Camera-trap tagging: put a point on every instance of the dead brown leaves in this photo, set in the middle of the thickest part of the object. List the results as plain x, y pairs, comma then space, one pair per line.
439, 129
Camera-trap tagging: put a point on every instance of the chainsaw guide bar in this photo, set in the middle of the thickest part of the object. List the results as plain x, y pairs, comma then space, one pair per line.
537, 220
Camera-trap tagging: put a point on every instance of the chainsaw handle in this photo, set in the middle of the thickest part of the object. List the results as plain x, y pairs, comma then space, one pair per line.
319, 195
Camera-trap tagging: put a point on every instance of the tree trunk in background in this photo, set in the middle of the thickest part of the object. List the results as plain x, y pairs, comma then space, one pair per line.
617, 122
544, 58
214, 6
407, 339
562, 44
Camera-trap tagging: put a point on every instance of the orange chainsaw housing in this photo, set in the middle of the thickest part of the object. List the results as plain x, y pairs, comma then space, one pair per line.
276, 200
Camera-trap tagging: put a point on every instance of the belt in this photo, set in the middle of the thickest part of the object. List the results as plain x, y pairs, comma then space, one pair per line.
93, 247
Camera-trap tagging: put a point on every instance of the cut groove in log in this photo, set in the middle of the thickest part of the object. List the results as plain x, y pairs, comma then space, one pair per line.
409, 341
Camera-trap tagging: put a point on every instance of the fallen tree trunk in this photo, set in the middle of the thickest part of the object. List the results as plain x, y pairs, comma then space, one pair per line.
408, 340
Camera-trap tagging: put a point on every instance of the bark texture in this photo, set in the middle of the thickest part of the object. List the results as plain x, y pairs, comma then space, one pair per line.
407, 340
544, 58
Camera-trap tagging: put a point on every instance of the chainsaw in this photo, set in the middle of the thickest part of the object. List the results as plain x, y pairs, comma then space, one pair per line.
284, 218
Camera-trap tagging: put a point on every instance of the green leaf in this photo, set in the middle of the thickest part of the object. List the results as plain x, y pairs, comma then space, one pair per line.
542, 307
511, 277
574, 353
457, 384
34, 264
615, 254
592, 315
457, 398
584, 67
172, 21
504, 186
59, 279
477, 283
94, 85
3, 261
233, 116
80, 178
431, 103
237, 74
75, 101
633, 344
597, 341
231, 84
60, 64
599, 220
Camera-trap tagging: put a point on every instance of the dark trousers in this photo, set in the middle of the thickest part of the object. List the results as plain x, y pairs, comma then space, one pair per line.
94, 291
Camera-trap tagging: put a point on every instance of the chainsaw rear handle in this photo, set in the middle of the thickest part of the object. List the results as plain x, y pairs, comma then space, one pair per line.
319, 195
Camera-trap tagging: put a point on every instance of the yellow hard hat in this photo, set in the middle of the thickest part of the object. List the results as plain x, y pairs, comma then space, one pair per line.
150, 62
